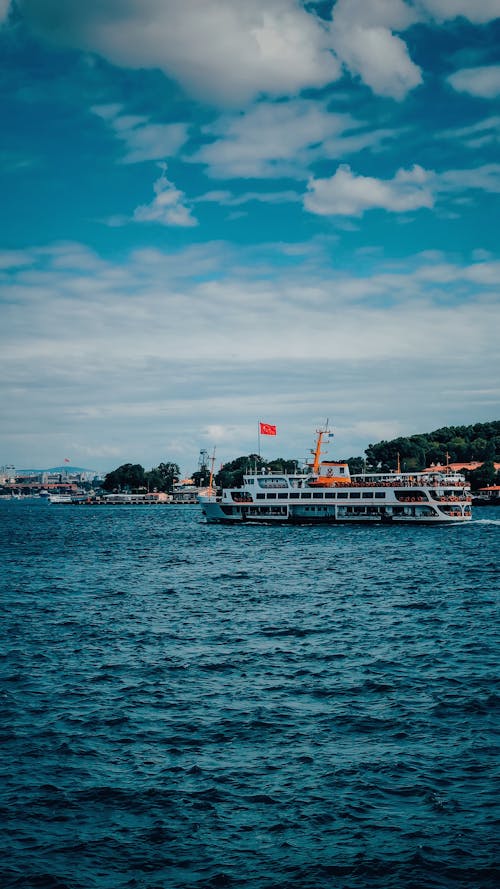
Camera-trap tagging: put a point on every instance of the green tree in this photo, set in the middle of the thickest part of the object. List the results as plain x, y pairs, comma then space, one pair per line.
155, 481
459, 449
231, 474
169, 473
483, 476
463, 443
128, 477
356, 465
282, 465
492, 449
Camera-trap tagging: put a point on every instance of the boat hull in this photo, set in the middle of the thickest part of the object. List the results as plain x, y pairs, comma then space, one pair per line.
216, 512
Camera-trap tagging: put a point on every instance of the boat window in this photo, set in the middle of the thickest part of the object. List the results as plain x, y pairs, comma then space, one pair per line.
282, 496
368, 494
317, 496
306, 494
342, 495
379, 494
355, 494
272, 482
271, 496
260, 496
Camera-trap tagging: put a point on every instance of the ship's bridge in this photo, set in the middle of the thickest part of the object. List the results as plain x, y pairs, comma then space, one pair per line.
331, 472
273, 480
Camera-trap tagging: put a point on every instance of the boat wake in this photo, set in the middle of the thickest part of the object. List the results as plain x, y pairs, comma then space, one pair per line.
486, 521
458, 527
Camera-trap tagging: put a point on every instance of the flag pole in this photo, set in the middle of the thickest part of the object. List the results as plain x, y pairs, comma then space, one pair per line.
258, 438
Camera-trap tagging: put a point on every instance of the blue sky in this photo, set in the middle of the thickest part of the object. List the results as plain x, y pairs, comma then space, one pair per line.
215, 212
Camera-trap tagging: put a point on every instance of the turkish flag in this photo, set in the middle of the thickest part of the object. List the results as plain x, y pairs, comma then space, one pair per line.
267, 429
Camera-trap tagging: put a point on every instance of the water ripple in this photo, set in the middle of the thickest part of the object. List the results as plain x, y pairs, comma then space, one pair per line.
188, 706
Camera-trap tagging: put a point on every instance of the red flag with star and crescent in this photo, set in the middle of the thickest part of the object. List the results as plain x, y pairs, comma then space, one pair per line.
267, 429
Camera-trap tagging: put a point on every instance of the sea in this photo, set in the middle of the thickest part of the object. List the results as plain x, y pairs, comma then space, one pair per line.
193, 706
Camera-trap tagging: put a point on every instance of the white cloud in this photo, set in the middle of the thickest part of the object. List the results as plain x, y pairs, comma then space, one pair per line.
218, 50
484, 178
275, 139
15, 258
4, 10
168, 207
364, 39
483, 82
395, 15
476, 11
93, 452
227, 199
230, 53
216, 433
487, 273
483, 132
346, 194
269, 139
122, 359
144, 141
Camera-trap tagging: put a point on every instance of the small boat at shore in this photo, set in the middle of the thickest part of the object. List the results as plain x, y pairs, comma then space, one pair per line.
488, 496
60, 498
326, 493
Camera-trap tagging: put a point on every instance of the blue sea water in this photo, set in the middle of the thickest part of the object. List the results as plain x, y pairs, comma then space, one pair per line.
187, 705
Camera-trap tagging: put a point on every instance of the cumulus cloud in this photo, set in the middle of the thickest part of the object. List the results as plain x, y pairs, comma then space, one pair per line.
168, 207
364, 39
144, 141
230, 53
219, 50
483, 82
347, 194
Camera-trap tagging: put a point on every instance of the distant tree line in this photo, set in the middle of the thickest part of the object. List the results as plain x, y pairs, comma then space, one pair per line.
133, 478
479, 442
451, 444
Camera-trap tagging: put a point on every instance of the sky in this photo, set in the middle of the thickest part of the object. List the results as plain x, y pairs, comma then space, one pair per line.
218, 212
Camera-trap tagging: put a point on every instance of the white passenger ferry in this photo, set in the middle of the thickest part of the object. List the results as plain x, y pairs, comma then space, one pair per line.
326, 493
60, 498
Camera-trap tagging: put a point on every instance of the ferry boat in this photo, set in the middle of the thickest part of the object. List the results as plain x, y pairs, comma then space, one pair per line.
326, 493
60, 498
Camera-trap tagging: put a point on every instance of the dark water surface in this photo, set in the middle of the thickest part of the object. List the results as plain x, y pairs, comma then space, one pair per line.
185, 705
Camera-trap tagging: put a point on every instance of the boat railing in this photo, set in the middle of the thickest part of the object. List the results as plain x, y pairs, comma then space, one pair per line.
406, 481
